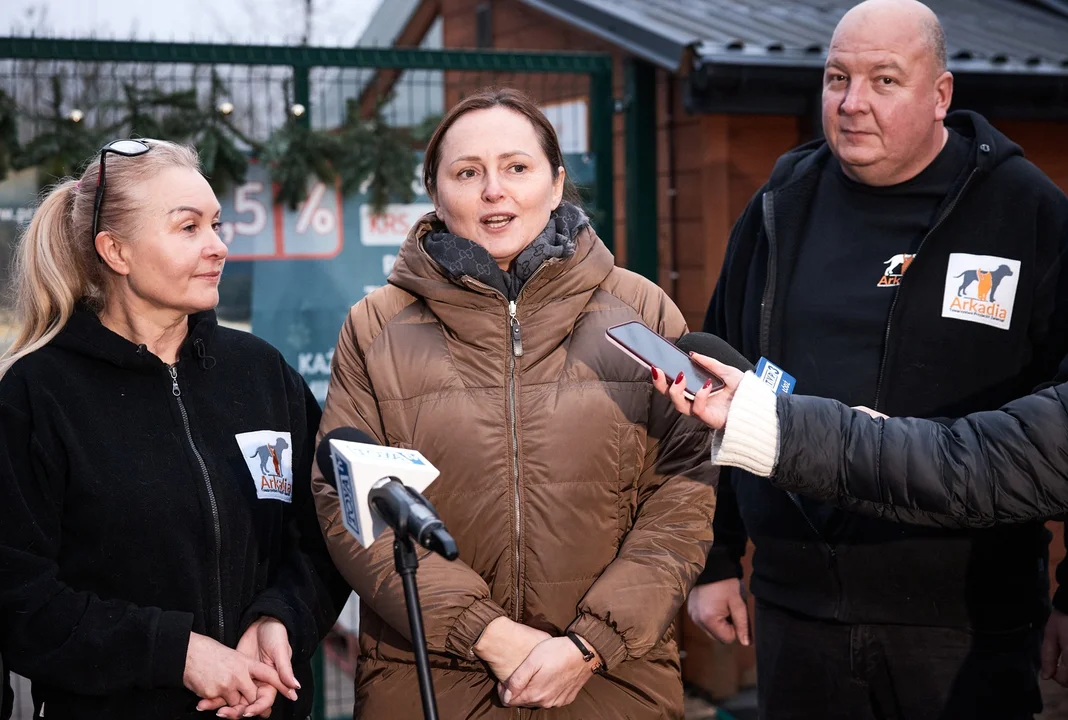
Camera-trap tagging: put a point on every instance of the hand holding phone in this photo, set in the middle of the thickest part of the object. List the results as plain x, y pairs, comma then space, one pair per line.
651, 350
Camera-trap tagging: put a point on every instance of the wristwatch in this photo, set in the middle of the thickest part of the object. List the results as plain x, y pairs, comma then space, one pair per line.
587, 654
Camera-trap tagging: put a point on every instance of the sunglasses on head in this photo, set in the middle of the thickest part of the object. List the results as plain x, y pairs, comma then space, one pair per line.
126, 148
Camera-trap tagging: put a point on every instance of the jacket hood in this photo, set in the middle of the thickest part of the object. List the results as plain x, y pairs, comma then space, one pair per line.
85, 335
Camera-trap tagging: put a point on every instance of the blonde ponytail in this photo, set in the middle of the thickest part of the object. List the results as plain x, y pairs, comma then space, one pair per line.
48, 277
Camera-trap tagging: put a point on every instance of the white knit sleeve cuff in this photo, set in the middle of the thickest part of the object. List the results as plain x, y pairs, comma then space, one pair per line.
751, 438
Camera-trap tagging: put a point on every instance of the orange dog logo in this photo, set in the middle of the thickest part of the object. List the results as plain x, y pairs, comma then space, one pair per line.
895, 270
985, 283
988, 282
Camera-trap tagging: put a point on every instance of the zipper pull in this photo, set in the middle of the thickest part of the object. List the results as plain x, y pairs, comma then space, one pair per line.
517, 337
174, 380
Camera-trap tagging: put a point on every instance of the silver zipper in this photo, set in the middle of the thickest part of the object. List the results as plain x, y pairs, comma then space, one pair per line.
897, 293
177, 392
517, 350
514, 331
516, 342
516, 337
768, 206
769, 282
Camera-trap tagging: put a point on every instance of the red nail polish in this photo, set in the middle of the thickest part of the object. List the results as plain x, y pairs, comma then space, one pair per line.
708, 384
679, 379
656, 375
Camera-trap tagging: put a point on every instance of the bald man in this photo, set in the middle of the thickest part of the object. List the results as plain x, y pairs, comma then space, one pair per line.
911, 261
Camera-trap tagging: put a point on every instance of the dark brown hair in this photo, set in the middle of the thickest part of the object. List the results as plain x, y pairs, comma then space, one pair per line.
485, 99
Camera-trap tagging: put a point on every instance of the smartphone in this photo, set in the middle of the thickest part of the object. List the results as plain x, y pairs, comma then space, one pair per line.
652, 350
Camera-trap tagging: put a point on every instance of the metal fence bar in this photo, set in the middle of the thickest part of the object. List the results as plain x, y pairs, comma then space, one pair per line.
602, 141
21, 48
641, 178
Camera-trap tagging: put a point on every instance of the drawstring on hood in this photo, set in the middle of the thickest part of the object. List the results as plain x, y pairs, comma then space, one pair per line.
207, 362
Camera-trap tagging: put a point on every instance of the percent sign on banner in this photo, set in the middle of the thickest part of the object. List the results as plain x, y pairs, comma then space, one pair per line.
312, 214
256, 229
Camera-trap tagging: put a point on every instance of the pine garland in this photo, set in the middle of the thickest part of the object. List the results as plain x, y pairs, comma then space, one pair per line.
295, 153
362, 151
185, 121
222, 161
378, 152
62, 149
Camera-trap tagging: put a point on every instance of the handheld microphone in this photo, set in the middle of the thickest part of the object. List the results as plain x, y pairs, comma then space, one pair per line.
379, 487
714, 347
719, 349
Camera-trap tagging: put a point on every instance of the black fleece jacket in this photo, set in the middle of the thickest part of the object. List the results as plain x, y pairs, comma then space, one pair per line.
872, 570
130, 516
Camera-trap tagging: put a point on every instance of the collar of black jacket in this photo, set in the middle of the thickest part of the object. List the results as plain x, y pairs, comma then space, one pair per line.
991, 149
86, 335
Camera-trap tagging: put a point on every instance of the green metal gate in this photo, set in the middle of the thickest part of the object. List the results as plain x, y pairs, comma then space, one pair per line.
98, 84
262, 82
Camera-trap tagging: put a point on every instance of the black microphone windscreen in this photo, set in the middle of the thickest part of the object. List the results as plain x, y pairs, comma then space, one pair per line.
322, 454
713, 347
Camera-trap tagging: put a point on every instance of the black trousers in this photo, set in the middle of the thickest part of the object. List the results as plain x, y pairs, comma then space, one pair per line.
810, 669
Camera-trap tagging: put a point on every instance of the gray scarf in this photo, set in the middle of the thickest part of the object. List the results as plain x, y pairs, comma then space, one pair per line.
461, 257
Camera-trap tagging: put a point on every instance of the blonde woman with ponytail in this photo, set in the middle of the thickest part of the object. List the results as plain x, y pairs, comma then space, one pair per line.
159, 552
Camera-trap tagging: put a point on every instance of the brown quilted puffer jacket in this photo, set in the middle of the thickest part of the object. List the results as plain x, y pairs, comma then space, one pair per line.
579, 498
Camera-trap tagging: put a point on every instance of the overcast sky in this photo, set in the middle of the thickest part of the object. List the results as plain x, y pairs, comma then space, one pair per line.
334, 22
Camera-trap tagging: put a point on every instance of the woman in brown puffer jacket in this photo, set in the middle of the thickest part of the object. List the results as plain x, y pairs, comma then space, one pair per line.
581, 501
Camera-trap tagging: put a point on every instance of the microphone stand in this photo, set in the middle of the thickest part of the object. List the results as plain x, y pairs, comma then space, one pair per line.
406, 562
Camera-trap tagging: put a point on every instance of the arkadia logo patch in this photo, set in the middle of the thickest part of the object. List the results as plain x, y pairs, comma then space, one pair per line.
981, 289
269, 458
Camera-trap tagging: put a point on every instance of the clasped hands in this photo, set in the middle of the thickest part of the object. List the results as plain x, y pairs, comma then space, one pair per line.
533, 668
244, 682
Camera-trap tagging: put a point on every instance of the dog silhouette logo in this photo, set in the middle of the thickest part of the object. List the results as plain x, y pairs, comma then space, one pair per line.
269, 465
981, 289
898, 264
895, 269
988, 282
272, 453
